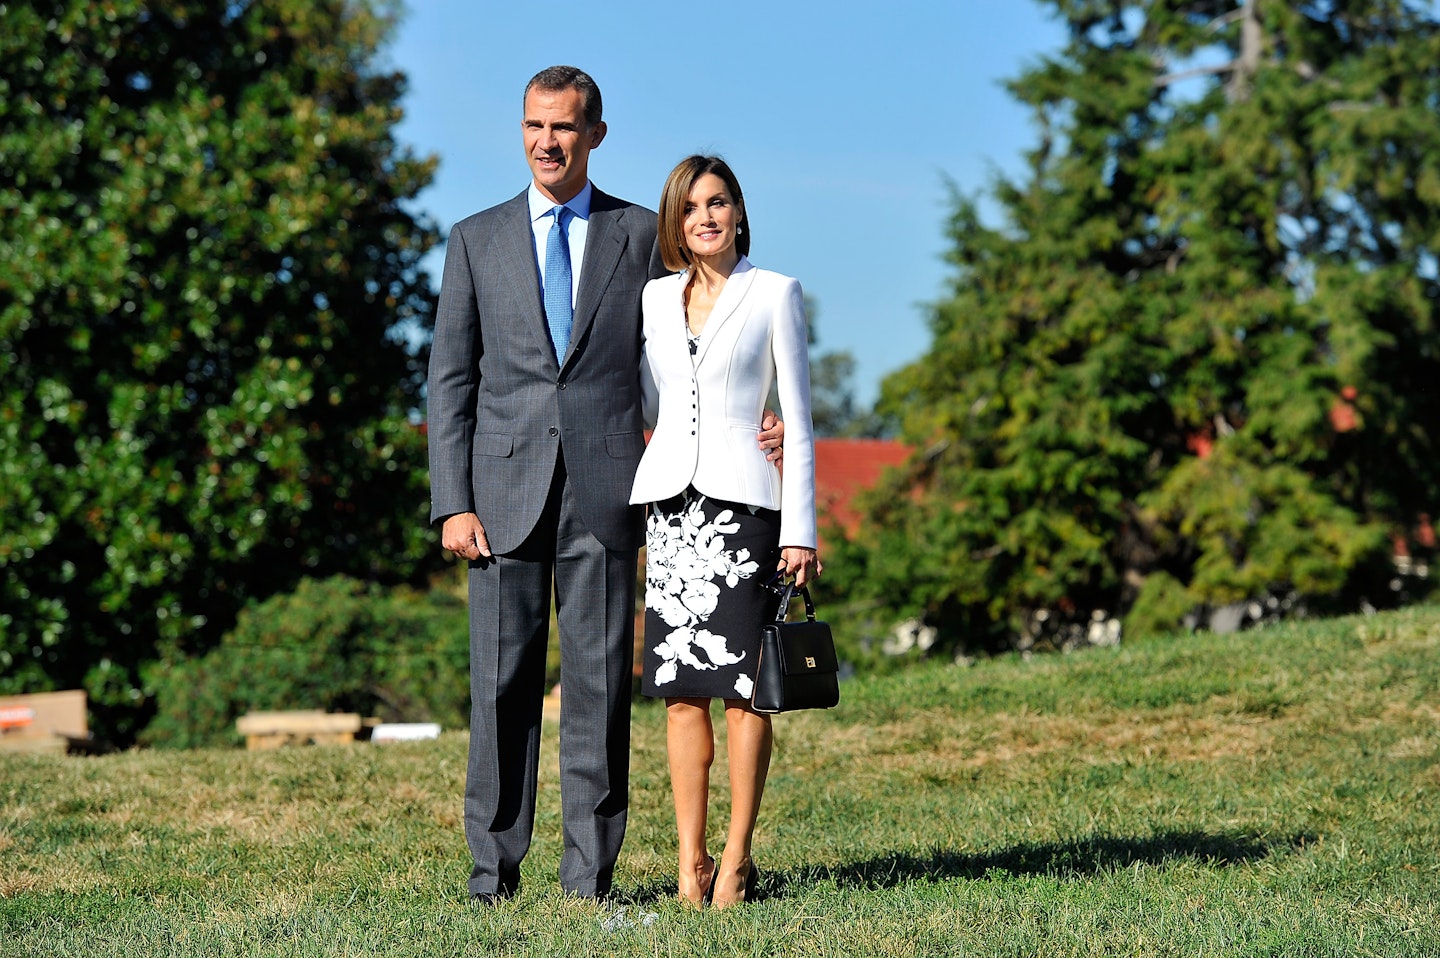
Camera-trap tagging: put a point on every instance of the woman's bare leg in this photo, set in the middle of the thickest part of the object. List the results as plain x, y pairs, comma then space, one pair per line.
690, 742
749, 740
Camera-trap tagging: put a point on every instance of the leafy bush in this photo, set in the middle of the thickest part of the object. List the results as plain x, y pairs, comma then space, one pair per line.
335, 644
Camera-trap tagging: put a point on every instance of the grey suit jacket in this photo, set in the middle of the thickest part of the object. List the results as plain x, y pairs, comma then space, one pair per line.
501, 408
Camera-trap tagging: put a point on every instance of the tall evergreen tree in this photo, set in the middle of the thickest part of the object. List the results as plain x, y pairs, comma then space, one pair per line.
1197, 364
207, 285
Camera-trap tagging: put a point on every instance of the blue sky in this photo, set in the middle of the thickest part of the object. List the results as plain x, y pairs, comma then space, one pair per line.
843, 124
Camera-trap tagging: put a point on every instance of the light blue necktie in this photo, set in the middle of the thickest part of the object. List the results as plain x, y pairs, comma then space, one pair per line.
559, 314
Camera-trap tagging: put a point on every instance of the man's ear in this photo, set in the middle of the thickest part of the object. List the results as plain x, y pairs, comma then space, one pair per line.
597, 133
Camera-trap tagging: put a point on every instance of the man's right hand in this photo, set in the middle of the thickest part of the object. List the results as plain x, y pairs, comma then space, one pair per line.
463, 535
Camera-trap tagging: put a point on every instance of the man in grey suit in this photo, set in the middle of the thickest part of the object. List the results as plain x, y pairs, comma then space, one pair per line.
535, 432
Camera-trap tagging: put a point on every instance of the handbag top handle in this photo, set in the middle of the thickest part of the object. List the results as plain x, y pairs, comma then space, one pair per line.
787, 594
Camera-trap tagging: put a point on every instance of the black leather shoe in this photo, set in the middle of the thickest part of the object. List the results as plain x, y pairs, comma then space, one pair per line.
491, 898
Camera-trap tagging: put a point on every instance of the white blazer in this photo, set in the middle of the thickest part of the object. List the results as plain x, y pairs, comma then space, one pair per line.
706, 409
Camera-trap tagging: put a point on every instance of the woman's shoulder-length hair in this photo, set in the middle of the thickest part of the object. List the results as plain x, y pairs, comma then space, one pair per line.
673, 250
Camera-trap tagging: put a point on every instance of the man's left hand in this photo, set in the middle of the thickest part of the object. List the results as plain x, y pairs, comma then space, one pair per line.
772, 436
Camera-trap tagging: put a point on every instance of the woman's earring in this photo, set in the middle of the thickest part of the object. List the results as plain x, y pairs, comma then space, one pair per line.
739, 231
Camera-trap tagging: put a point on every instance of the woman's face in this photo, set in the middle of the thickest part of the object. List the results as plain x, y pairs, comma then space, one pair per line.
711, 218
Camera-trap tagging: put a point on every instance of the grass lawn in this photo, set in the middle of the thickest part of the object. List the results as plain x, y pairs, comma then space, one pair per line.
1270, 793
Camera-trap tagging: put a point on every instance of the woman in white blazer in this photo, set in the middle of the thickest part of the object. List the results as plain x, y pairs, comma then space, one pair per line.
722, 519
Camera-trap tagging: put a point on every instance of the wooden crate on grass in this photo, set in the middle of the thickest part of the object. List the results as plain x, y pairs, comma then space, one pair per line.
297, 727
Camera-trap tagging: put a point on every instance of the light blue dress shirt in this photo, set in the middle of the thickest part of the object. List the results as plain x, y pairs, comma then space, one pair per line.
576, 231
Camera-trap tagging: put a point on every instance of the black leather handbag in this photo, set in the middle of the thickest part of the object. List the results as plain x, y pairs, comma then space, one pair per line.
798, 668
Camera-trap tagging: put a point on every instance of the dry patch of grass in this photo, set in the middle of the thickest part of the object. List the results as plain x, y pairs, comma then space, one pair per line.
934, 742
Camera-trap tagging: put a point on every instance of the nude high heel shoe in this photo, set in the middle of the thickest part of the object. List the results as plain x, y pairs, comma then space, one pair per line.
748, 893
707, 888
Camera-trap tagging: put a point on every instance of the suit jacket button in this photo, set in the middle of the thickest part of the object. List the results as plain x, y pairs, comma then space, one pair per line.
561, 385
554, 431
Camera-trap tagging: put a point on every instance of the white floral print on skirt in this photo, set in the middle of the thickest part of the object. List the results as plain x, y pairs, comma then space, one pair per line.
706, 565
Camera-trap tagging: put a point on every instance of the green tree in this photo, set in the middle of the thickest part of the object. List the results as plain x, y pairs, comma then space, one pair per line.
207, 286
1196, 364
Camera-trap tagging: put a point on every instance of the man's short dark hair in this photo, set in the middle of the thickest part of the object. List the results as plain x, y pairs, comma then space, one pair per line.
558, 78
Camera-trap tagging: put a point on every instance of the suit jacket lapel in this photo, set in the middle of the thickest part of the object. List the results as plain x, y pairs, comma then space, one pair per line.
514, 245
729, 300
604, 243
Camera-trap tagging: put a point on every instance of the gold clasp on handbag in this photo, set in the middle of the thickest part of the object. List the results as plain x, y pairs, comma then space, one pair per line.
809, 661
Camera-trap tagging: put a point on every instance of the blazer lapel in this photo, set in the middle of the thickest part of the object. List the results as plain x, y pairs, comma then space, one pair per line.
731, 296
669, 328
514, 247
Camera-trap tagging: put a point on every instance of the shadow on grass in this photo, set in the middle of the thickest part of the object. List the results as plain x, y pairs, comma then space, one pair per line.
1074, 859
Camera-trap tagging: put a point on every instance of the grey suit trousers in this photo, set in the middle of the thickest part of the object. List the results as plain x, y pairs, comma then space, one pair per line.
509, 630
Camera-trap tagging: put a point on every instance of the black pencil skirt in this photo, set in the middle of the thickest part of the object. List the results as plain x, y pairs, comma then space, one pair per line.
707, 562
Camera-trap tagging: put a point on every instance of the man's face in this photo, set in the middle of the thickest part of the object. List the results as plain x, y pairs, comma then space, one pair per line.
558, 142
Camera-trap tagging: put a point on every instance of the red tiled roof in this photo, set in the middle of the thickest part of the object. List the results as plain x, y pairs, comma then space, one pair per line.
845, 466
